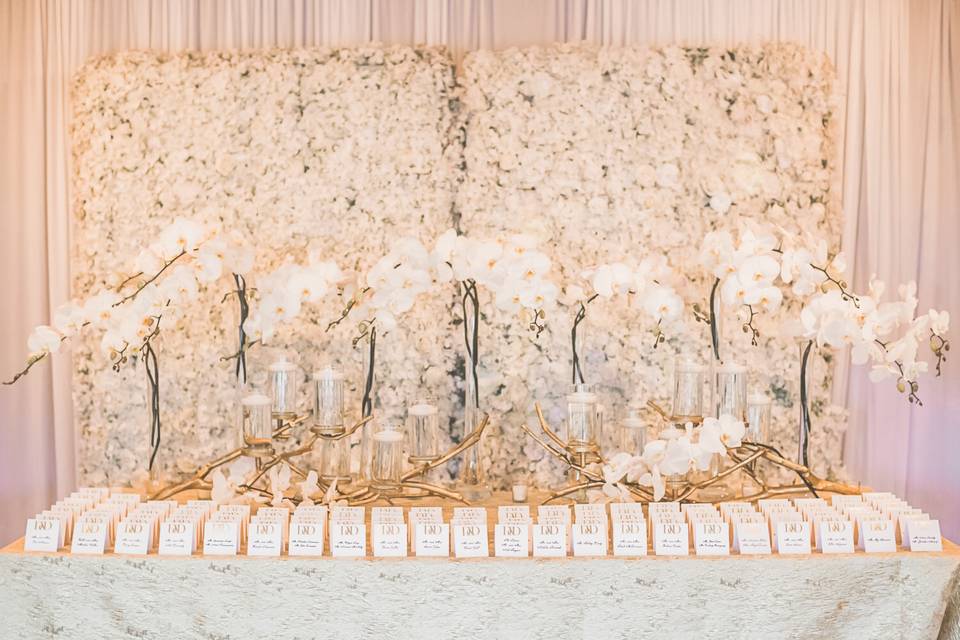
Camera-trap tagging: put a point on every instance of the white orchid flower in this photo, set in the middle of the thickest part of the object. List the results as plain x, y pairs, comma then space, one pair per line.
662, 303
43, 340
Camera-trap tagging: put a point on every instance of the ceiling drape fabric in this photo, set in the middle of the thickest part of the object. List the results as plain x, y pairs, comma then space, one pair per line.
898, 67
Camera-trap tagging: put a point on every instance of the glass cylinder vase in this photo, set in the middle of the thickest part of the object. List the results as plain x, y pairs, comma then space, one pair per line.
473, 478
688, 381
633, 433
256, 424
424, 427
729, 391
368, 394
328, 402
387, 460
758, 418
283, 380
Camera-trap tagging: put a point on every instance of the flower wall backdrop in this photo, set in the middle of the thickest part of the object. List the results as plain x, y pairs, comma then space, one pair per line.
334, 153
601, 155
612, 155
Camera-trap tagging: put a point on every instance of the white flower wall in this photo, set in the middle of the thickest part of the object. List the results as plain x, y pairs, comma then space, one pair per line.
612, 154
601, 154
333, 151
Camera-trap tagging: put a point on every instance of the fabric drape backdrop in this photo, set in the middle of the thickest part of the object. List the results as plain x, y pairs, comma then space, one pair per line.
898, 65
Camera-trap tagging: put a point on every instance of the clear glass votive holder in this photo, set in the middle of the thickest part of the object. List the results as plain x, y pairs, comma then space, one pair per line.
582, 428
328, 385
387, 460
689, 377
633, 433
334, 458
730, 391
424, 423
759, 408
256, 424
283, 389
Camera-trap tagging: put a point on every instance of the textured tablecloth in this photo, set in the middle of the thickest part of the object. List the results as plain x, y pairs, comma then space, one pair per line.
901, 595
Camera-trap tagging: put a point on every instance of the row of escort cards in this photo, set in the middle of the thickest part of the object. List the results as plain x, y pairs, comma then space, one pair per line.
94, 521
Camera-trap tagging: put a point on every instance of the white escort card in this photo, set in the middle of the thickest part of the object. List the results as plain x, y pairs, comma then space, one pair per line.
751, 538
878, 536
177, 539
629, 538
590, 538
550, 540
221, 538
924, 535
133, 537
835, 536
386, 514
793, 537
422, 515
306, 536
545, 511
512, 540
389, 538
513, 513
904, 523
354, 515
470, 514
711, 538
42, 535
470, 540
348, 539
89, 536
265, 537
432, 539
671, 539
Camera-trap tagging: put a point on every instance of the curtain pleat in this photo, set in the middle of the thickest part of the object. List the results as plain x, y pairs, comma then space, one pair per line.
898, 108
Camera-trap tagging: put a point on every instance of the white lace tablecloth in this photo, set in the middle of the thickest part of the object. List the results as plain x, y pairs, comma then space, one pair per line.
901, 595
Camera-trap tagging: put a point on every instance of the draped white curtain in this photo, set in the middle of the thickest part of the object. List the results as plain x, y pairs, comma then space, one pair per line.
898, 65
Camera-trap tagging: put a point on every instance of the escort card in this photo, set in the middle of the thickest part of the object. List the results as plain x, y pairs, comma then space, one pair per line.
924, 535
348, 539
671, 539
432, 539
470, 514
176, 539
513, 513
389, 539
836, 536
751, 538
878, 536
512, 540
553, 511
265, 538
793, 537
470, 540
663, 507
590, 539
904, 523
630, 510
595, 510
550, 540
133, 537
422, 515
630, 538
353, 515
221, 538
386, 514
42, 535
306, 537
89, 536
711, 538
426, 514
